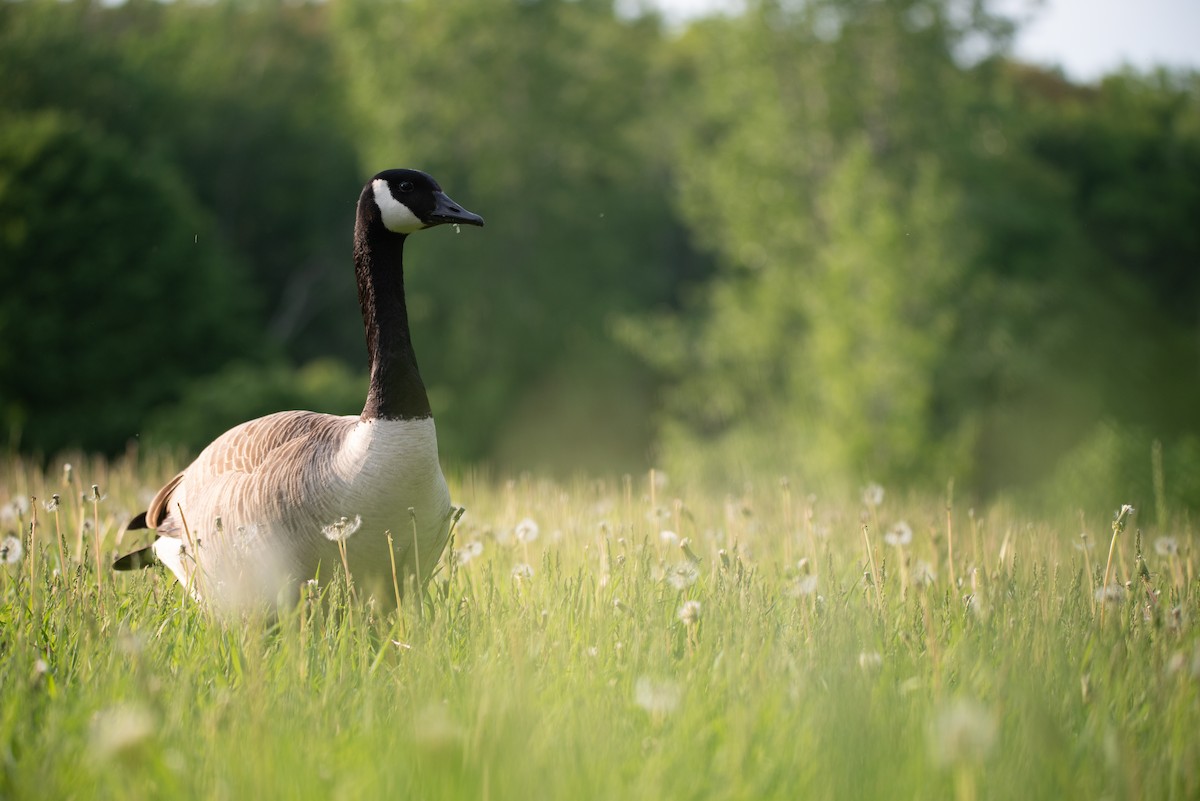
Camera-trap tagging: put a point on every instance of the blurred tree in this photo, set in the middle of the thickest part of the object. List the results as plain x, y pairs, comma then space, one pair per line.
820, 165
1042, 232
245, 100
540, 116
243, 390
103, 253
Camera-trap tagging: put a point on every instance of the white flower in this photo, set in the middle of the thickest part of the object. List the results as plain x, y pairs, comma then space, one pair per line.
964, 731
527, 530
872, 494
1166, 546
870, 660
668, 538
15, 508
923, 574
468, 552
804, 584
682, 575
119, 729
657, 697
658, 514
899, 535
11, 550
341, 529
522, 571
660, 480
689, 613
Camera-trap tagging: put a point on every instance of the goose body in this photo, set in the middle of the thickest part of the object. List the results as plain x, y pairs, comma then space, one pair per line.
261, 508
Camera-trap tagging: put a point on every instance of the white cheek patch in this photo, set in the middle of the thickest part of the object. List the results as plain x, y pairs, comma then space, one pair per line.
396, 216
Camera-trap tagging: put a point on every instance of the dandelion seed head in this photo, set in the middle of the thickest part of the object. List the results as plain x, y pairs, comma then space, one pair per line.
805, 584
117, 730
899, 535
1166, 546
522, 572
689, 613
11, 550
668, 538
872, 494
658, 514
437, 731
341, 529
527, 530
1113, 593
924, 574
962, 732
870, 660
682, 575
18, 507
657, 697
52, 504
472, 550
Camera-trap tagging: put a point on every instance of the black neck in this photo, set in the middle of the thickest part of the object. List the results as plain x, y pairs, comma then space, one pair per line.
396, 390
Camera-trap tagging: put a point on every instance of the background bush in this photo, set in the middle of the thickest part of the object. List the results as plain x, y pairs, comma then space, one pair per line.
836, 239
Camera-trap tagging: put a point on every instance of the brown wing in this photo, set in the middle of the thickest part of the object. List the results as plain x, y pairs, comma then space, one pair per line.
242, 449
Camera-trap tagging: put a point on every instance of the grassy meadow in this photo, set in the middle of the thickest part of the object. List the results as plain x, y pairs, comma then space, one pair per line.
619, 639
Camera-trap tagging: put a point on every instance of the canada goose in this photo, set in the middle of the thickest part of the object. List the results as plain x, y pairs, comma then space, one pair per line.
260, 509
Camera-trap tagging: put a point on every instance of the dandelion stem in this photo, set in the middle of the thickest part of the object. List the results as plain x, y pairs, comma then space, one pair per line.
653, 493
395, 580
874, 571
1117, 527
96, 525
788, 527
345, 565
58, 540
192, 574
412, 516
950, 532
33, 556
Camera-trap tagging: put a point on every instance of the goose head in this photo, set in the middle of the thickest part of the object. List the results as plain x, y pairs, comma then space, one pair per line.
410, 200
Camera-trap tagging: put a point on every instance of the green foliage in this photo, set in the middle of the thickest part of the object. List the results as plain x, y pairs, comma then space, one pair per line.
242, 391
820, 345
589, 675
91, 326
964, 302
539, 116
244, 100
845, 238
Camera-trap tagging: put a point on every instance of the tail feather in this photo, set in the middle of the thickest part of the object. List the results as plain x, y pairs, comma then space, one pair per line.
137, 522
143, 557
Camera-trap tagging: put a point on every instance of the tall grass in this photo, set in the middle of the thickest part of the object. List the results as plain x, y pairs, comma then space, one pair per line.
614, 640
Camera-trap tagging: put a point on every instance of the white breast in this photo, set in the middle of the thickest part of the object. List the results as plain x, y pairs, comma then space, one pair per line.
269, 539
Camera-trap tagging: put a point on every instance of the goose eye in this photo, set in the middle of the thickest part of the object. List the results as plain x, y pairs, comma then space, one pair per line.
405, 186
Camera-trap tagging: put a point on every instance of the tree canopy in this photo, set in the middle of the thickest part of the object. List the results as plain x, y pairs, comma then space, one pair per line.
835, 239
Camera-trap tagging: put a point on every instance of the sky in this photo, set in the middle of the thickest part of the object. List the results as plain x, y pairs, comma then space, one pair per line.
1086, 38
